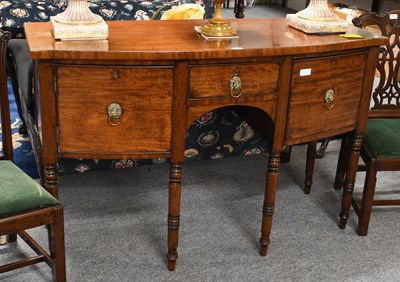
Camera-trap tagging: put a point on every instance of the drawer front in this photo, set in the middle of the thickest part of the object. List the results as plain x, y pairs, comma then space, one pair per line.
215, 81
314, 82
84, 95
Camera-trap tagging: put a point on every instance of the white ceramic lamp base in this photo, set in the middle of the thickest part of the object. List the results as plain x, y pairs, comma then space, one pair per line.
78, 22
317, 18
315, 26
79, 31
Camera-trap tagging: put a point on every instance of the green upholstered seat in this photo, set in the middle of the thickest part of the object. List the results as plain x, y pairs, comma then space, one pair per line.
19, 193
382, 137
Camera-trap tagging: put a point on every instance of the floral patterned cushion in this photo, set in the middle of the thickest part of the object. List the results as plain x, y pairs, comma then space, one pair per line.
15, 13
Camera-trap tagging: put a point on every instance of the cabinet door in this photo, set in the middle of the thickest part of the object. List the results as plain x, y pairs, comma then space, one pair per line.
84, 96
324, 97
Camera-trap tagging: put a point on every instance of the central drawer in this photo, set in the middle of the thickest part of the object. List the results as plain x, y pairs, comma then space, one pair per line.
142, 94
215, 81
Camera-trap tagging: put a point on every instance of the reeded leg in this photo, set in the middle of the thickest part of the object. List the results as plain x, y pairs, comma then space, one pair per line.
175, 184
367, 199
311, 153
50, 179
349, 180
269, 202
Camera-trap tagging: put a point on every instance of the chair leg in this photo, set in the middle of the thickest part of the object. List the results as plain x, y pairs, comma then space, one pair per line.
12, 237
285, 155
57, 246
367, 198
226, 4
342, 161
321, 151
311, 150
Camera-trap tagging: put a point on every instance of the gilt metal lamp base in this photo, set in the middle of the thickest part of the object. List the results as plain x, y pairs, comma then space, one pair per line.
217, 26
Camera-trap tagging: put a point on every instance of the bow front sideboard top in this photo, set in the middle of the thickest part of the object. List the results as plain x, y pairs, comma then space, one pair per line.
135, 94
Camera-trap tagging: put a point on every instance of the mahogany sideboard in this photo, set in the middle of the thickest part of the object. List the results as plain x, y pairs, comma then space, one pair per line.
162, 76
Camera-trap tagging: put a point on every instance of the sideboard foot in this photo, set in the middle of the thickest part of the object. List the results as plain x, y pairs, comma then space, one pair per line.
264, 247
172, 261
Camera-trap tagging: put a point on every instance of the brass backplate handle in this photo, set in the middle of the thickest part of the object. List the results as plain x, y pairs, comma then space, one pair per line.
236, 85
114, 114
329, 98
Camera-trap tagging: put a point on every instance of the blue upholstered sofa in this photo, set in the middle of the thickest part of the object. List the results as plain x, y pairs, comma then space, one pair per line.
215, 134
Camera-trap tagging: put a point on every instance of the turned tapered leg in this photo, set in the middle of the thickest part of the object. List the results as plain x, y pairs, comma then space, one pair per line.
348, 186
175, 185
311, 151
367, 198
269, 202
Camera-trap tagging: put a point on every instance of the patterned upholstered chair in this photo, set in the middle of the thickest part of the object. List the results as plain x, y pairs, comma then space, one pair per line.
381, 143
24, 204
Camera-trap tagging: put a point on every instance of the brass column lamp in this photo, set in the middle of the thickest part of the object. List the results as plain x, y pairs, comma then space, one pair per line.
217, 26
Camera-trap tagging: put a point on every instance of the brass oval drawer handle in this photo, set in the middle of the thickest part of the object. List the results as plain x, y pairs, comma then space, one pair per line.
114, 114
236, 85
329, 98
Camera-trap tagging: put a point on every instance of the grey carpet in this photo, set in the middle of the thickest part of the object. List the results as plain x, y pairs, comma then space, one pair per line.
115, 226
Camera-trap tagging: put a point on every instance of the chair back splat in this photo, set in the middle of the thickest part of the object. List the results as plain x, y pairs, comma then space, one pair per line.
386, 96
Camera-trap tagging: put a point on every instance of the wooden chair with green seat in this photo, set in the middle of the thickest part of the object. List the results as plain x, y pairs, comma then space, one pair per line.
380, 150
24, 204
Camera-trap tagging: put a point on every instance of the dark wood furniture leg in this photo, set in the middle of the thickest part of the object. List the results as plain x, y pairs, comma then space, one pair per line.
175, 185
365, 208
269, 202
374, 5
311, 148
348, 186
239, 9
342, 161
7, 150
175, 173
321, 151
